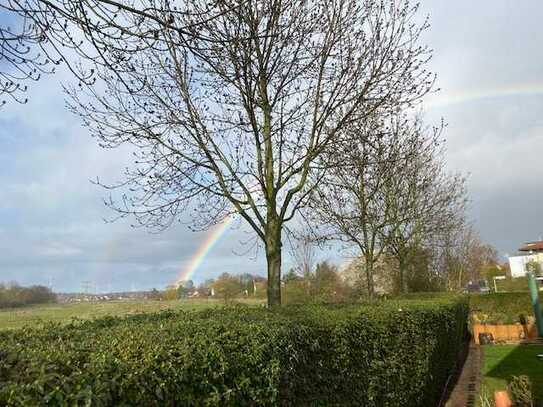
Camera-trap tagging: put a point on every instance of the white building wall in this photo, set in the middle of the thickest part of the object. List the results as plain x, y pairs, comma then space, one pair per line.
517, 264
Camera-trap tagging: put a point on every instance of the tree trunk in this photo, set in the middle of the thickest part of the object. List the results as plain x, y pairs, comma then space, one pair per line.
273, 257
369, 277
402, 268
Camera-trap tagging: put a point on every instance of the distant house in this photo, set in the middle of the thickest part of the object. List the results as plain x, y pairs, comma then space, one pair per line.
531, 252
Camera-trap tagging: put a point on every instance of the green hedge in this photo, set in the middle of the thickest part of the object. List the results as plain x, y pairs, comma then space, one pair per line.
500, 308
397, 354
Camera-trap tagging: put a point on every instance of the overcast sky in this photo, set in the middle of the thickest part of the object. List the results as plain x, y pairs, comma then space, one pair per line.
489, 62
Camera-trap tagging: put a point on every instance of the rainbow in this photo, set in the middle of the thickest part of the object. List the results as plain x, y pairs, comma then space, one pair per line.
212, 237
450, 98
437, 100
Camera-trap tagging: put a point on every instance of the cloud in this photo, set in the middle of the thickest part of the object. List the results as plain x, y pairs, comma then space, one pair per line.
51, 216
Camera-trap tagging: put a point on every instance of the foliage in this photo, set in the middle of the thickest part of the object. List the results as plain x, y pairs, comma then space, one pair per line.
517, 284
227, 287
170, 293
184, 288
462, 257
327, 283
501, 307
297, 292
14, 295
485, 399
508, 284
534, 267
154, 294
520, 388
324, 284
397, 354
291, 275
502, 363
419, 275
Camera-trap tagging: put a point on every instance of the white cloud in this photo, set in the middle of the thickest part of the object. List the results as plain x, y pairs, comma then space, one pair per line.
51, 215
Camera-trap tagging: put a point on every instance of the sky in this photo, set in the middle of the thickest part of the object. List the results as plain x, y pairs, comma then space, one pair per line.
489, 63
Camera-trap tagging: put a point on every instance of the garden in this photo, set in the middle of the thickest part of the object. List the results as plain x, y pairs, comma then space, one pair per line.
511, 360
516, 368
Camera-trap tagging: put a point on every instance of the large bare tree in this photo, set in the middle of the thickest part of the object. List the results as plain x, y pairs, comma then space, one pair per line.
38, 35
231, 115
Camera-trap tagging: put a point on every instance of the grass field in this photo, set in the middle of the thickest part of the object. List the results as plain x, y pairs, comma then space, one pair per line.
501, 362
64, 313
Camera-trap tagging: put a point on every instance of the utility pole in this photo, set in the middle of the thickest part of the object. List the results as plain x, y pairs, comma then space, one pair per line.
86, 286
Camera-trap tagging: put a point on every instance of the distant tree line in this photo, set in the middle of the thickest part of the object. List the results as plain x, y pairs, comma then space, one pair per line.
227, 287
321, 282
14, 295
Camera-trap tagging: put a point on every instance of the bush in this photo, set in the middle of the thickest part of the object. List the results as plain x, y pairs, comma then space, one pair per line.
17, 296
501, 308
397, 354
520, 388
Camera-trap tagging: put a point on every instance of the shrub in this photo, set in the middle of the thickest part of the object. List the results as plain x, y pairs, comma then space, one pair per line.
520, 388
399, 353
17, 296
501, 307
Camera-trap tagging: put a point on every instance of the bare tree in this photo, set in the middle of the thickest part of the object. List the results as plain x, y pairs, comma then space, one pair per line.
427, 202
387, 192
231, 118
303, 251
362, 198
462, 256
37, 35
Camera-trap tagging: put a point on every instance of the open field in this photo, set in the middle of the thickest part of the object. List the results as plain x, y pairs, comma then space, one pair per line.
64, 313
501, 362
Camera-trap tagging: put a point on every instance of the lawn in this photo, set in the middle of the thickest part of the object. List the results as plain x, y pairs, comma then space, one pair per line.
64, 313
501, 362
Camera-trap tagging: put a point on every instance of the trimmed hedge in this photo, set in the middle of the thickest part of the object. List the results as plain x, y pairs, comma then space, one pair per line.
396, 354
501, 308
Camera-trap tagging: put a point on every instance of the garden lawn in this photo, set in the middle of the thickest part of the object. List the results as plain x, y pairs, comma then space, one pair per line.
501, 362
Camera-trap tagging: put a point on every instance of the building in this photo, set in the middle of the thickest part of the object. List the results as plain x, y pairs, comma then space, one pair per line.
531, 252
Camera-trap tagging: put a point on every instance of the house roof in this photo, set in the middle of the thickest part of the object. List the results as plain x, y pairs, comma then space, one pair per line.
532, 246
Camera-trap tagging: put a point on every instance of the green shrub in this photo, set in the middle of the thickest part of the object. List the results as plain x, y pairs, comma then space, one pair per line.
520, 388
16, 296
398, 353
501, 308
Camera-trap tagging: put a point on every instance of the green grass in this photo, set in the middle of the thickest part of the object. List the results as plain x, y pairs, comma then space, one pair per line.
519, 284
501, 362
63, 313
